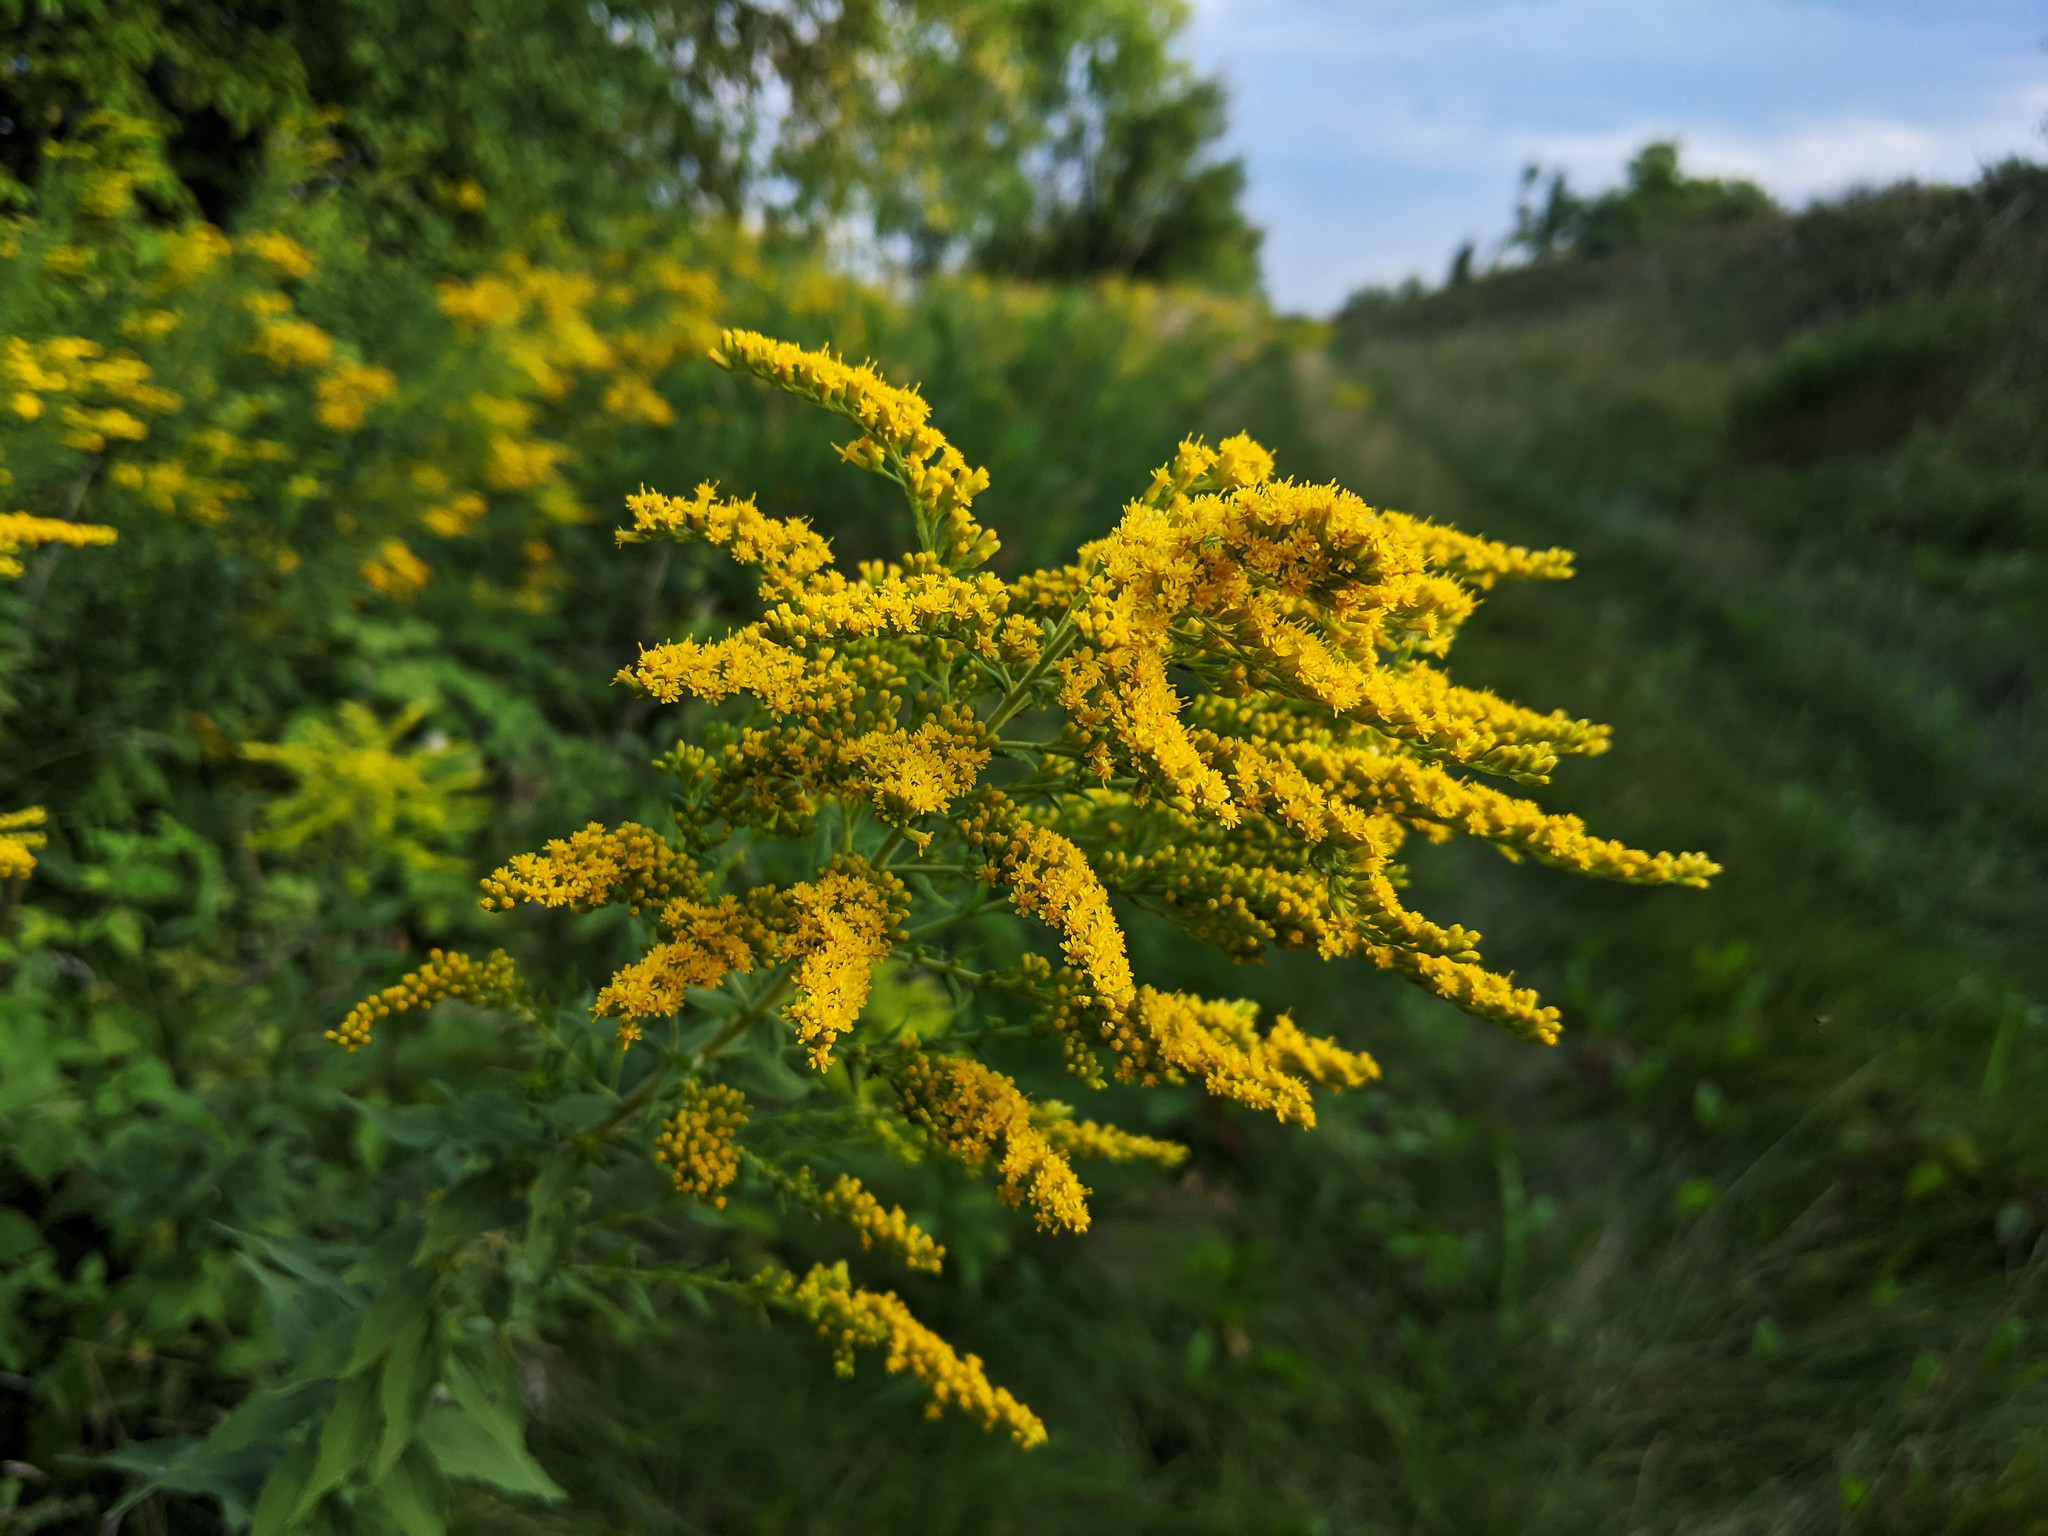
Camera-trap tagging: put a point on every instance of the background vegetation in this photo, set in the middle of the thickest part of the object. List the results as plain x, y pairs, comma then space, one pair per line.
1758, 1248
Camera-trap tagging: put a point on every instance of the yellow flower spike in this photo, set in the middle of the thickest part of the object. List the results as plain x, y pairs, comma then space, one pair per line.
1481, 562
747, 661
697, 1141
1103, 1143
1322, 1061
280, 251
348, 392
711, 943
878, 1226
290, 342
1051, 878
594, 868
191, 252
850, 1319
897, 439
18, 841
396, 571
490, 983
882, 1227
1215, 1042
845, 923
23, 530
785, 552
979, 1115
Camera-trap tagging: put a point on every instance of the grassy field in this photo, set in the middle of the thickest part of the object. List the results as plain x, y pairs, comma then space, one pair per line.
1758, 1248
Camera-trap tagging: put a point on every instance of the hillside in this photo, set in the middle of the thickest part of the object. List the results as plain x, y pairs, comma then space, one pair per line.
1799, 1177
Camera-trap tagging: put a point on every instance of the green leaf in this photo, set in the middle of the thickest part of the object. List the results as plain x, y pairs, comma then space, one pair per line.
328, 1350
403, 1303
482, 1437
462, 1447
277, 1504
390, 1256
347, 1440
409, 1371
414, 1496
479, 1203
548, 1228
265, 1416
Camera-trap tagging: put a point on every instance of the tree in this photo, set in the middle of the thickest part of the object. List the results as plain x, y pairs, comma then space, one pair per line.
532, 104
1056, 139
1656, 200
1044, 138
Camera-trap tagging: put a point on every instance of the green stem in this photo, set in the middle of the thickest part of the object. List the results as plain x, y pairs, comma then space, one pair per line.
628, 1107
548, 1033
979, 909
746, 1018
1057, 645
978, 980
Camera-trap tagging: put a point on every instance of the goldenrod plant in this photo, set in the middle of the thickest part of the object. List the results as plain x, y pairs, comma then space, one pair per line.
1229, 715
21, 831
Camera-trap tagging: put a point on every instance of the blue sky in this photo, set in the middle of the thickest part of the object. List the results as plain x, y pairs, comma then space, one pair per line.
1379, 134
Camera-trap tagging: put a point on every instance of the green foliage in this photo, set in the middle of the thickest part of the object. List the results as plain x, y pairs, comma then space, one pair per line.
1797, 1249
245, 719
1047, 138
1116, 172
580, 110
1760, 1243
1656, 201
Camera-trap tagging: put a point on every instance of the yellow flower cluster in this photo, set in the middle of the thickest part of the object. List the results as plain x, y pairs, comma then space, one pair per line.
1102, 1143
537, 367
977, 1114
396, 571
710, 942
850, 1319
1230, 713
349, 392
897, 437
594, 868
879, 1226
845, 924
23, 530
914, 774
358, 784
100, 388
19, 839
697, 1140
489, 984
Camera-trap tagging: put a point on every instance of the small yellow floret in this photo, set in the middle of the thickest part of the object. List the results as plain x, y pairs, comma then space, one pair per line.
697, 1140
23, 530
489, 984
978, 1114
879, 1226
18, 841
850, 1320
348, 391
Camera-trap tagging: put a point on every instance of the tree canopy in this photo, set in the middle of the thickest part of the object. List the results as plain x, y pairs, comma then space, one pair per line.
1051, 138
1657, 199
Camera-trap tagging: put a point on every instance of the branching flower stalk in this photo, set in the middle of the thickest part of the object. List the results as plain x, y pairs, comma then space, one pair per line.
1230, 714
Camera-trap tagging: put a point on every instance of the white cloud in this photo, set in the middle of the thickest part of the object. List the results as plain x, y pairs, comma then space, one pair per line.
1816, 158
1381, 133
